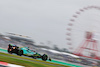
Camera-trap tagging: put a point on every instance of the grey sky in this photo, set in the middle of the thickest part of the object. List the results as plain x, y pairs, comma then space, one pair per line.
43, 20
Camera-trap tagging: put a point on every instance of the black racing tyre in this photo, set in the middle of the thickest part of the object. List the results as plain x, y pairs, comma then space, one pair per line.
20, 52
44, 57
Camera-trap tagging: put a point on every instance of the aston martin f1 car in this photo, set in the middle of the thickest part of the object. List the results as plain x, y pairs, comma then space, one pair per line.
26, 52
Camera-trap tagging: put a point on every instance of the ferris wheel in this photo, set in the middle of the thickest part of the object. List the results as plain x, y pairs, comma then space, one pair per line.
83, 31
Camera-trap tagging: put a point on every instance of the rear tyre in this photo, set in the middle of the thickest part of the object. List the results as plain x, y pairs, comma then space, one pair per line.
20, 52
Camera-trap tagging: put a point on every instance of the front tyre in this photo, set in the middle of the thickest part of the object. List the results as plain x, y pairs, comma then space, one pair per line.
44, 57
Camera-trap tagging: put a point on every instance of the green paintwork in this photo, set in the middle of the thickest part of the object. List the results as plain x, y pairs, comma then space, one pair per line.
27, 51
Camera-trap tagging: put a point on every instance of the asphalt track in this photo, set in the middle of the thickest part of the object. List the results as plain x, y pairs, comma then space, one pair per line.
53, 61
2, 66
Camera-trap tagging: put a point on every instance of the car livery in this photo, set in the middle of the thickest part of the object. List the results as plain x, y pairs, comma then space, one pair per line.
26, 52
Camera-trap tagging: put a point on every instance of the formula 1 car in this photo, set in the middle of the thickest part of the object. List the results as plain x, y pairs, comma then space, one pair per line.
26, 52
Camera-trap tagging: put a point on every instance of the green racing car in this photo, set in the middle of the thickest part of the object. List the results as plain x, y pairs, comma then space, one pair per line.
26, 52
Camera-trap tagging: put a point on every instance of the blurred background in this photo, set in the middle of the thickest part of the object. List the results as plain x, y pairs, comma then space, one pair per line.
53, 27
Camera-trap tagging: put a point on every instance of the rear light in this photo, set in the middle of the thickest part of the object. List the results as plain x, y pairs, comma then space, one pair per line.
14, 47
